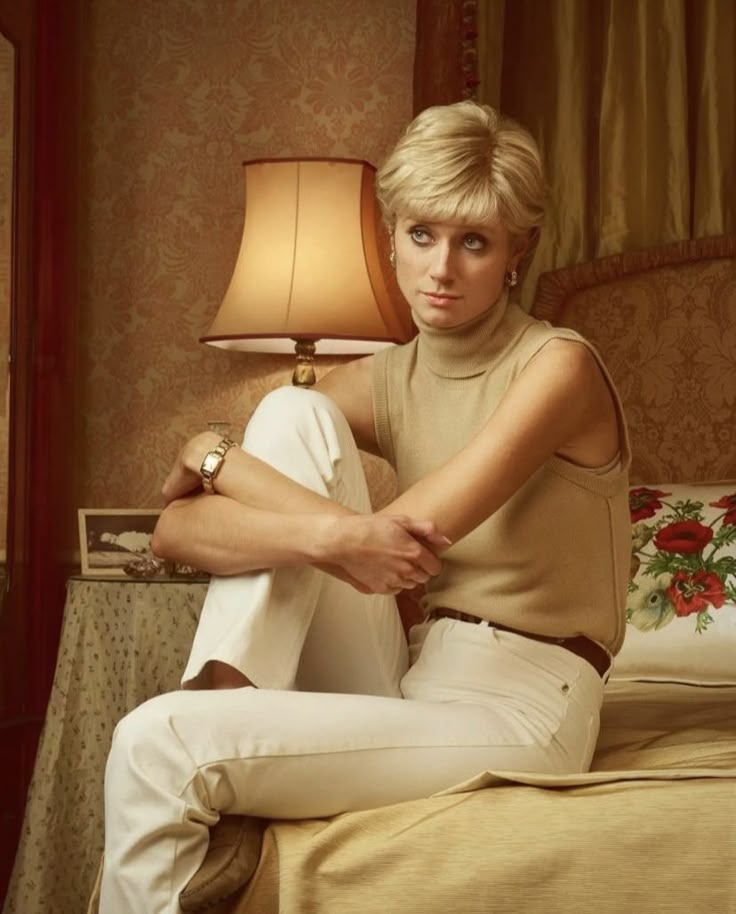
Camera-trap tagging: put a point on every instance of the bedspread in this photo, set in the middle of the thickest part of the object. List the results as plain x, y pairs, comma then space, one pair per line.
652, 828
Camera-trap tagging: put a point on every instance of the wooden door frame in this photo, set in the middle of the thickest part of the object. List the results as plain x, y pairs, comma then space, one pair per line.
41, 485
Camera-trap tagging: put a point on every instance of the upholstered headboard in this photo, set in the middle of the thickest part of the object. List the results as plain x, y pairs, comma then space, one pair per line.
664, 320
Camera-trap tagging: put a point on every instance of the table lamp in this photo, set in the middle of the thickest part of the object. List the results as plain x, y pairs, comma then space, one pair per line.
313, 266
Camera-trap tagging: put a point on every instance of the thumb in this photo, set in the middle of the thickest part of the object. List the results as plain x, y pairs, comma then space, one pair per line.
427, 530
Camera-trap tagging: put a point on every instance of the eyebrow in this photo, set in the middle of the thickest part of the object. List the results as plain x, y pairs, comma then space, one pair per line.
469, 229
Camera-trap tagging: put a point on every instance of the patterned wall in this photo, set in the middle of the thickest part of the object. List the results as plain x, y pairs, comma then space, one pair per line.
178, 94
6, 187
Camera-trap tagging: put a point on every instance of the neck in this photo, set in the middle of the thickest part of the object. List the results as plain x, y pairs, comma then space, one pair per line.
465, 350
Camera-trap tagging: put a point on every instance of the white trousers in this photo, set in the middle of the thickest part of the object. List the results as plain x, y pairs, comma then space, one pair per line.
342, 719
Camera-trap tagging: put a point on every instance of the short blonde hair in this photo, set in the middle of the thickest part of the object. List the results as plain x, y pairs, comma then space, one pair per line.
464, 162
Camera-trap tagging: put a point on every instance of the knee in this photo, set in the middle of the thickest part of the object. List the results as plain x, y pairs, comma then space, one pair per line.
292, 404
292, 414
141, 738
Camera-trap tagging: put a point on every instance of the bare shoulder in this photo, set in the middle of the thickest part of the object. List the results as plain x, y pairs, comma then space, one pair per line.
568, 372
569, 365
565, 382
351, 388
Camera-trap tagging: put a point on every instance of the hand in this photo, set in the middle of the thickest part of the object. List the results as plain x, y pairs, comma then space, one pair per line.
381, 553
184, 478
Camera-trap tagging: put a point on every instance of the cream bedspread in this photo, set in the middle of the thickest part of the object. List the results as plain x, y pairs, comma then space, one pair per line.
651, 829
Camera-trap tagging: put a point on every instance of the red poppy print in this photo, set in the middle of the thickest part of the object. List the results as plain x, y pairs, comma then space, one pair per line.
645, 502
682, 561
695, 593
728, 502
683, 536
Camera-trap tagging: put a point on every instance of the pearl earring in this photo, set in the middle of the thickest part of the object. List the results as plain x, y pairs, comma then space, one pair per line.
512, 278
392, 258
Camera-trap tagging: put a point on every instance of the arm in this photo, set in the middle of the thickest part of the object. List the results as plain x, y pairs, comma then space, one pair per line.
218, 534
351, 387
264, 519
559, 404
232, 538
251, 481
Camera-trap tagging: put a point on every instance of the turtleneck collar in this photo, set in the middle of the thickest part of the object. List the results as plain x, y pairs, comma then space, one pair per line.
466, 350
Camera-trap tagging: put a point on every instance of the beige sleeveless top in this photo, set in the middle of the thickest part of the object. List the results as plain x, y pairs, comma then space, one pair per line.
554, 559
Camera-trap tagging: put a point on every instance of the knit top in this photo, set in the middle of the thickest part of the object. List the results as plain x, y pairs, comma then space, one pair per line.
554, 559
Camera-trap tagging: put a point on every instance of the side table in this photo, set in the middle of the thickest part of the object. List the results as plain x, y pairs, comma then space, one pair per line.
122, 642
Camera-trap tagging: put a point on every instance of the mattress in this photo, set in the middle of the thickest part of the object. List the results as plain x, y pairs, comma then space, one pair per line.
651, 828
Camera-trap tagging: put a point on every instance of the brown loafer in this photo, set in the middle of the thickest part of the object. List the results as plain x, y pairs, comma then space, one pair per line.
232, 858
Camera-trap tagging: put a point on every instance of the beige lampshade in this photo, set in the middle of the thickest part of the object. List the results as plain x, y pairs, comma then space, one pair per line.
310, 265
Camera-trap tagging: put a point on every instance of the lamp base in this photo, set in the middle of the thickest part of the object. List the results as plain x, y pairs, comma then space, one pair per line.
304, 375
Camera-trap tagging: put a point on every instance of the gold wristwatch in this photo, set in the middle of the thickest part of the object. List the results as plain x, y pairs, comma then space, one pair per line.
212, 464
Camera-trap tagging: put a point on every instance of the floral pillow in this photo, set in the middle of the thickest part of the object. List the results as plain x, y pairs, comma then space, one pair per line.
681, 606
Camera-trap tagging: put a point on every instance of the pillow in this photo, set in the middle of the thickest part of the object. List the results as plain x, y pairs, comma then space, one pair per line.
681, 605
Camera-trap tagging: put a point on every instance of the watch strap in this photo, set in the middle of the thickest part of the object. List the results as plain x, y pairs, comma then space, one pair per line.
212, 464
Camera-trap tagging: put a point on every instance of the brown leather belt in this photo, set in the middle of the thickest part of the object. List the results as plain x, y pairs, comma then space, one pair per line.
578, 645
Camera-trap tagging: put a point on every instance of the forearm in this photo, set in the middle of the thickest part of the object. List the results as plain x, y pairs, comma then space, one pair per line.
221, 536
254, 482
245, 479
560, 404
263, 519
457, 497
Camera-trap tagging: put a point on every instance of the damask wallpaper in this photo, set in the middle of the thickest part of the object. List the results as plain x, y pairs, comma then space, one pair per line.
177, 94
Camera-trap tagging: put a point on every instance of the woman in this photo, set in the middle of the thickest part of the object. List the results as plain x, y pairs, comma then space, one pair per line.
510, 448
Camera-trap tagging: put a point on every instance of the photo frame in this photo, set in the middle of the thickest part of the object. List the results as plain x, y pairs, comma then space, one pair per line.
113, 539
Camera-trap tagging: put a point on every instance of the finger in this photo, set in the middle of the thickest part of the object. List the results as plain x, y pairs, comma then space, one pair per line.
166, 493
438, 540
337, 571
180, 482
390, 587
170, 483
171, 494
411, 575
424, 560
427, 530
361, 588
416, 582
406, 587
409, 584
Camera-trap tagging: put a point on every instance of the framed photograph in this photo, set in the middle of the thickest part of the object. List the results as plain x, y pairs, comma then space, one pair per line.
117, 542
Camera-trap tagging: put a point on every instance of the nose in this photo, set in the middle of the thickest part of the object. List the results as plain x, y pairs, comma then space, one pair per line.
441, 267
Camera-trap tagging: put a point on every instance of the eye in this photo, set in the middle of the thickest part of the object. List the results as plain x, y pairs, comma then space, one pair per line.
419, 234
474, 242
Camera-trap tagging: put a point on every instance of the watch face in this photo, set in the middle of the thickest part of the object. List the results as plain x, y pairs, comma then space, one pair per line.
210, 464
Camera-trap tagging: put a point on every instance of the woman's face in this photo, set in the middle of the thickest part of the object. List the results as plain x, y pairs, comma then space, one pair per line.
450, 272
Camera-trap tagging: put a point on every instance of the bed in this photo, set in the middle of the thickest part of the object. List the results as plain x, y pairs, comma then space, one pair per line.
652, 827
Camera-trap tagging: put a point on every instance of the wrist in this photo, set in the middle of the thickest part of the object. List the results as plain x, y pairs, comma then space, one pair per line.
327, 540
213, 463
198, 448
324, 535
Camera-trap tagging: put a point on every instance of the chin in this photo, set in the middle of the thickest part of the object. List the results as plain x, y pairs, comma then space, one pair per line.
446, 323
439, 319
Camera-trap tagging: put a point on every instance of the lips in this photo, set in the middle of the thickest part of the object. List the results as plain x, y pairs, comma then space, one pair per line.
439, 298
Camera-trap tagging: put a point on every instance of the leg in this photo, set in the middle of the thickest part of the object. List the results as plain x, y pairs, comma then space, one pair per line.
293, 626
481, 699
298, 626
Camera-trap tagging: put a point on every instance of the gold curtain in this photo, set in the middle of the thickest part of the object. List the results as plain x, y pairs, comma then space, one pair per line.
633, 103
